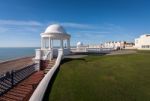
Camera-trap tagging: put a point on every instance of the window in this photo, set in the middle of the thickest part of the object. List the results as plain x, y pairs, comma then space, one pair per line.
145, 46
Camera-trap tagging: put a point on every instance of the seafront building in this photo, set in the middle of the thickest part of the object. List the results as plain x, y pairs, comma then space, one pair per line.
111, 45
114, 44
81, 47
143, 42
130, 45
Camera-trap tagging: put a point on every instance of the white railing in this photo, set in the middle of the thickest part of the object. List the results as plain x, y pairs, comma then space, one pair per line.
40, 90
43, 54
46, 55
100, 49
94, 50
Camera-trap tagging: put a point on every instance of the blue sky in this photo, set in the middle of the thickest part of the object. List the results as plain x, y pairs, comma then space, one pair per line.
89, 21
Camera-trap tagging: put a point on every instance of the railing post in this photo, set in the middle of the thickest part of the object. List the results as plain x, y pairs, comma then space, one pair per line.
12, 78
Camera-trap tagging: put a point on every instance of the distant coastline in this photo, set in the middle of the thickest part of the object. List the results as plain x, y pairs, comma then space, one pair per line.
13, 53
13, 59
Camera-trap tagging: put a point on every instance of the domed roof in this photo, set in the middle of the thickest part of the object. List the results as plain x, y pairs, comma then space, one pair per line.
55, 28
55, 31
79, 44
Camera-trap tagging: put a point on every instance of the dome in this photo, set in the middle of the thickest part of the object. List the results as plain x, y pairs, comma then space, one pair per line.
55, 28
55, 31
79, 44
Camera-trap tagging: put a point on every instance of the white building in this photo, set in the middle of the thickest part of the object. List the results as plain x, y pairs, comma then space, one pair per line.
114, 44
81, 47
79, 44
143, 42
47, 50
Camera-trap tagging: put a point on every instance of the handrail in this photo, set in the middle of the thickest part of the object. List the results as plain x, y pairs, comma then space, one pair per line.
13, 78
41, 88
46, 55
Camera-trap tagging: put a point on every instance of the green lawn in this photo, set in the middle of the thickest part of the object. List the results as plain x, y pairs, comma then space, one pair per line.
103, 78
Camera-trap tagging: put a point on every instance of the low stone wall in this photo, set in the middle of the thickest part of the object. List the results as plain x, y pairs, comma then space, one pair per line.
41, 89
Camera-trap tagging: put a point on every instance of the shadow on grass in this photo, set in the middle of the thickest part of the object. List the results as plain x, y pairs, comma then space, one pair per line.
50, 85
71, 59
51, 82
89, 53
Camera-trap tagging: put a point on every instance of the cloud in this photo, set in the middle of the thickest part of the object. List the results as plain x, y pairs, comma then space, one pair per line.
19, 27
78, 25
20, 23
95, 32
3, 29
90, 34
16, 30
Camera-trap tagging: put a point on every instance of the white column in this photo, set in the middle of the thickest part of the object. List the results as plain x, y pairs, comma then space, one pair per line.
61, 44
44, 43
68, 43
41, 42
49, 43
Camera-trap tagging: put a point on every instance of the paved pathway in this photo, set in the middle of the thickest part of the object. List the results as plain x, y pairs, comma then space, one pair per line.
23, 90
75, 56
120, 52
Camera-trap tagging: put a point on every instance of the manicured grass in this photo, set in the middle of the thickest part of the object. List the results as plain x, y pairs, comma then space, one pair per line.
103, 78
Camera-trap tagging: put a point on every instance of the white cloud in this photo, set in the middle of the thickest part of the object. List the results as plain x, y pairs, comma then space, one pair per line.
3, 29
95, 32
16, 30
78, 25
20, 23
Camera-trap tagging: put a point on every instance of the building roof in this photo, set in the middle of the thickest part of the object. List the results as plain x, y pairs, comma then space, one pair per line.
55, 28
55, 31
145, 35
79, 43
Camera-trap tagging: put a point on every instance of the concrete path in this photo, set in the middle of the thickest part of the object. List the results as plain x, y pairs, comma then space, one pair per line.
75, 56
84, 54
23, 90
121, 52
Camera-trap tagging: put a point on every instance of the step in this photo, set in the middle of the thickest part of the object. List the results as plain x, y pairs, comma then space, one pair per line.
18, 91
47, 69
13, 97
27, 87
17, 94
6, 99
51, 65
46, 72
23, 90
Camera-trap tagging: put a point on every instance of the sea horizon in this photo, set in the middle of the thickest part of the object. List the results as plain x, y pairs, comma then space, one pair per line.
10, 53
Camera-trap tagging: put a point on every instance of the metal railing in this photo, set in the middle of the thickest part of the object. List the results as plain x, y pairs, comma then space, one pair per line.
10, 79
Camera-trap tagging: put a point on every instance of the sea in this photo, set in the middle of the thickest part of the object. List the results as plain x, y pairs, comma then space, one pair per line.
14, 53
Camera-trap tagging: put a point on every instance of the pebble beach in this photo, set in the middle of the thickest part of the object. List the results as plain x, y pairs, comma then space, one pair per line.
15, 64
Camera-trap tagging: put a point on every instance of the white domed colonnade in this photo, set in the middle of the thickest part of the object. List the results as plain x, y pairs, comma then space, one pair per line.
48, 50
54, 32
